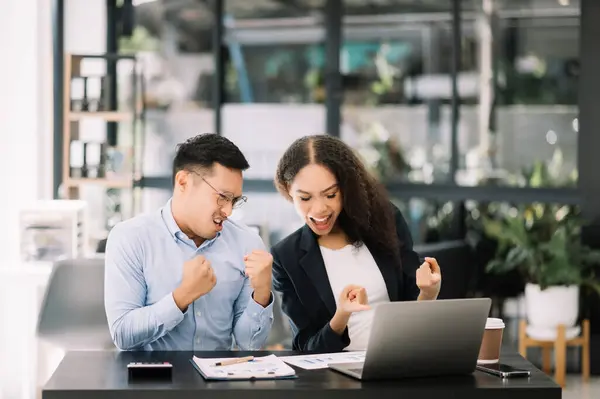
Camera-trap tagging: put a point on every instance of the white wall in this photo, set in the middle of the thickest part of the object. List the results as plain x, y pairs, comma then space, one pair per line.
19, 118
25, 169
44, 99
26, 131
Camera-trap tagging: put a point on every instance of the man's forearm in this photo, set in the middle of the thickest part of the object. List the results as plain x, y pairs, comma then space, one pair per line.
182, 299
139, 327
252, 329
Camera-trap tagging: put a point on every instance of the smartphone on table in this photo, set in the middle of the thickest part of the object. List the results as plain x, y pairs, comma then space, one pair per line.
503, 370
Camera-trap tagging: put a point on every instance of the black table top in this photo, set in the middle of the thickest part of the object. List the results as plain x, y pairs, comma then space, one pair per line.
101, 374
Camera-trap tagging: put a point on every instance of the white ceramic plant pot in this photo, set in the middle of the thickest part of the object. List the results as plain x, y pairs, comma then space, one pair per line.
546, 309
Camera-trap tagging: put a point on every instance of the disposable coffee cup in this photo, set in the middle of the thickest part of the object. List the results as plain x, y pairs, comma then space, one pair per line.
489, 352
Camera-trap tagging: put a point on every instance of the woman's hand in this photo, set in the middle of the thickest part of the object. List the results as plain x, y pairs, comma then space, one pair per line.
429, 279
352, 299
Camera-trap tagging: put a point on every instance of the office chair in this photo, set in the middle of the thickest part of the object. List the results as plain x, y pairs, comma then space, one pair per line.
72, 315
280, 337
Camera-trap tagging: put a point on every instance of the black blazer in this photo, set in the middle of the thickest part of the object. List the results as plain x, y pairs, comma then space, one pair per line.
300, 276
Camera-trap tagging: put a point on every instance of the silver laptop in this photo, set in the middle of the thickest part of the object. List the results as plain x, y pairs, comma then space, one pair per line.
421, 339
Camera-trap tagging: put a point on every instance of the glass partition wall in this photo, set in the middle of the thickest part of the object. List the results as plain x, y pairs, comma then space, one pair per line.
445, 101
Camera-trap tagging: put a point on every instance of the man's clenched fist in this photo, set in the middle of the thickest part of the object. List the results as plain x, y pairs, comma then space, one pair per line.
198, 279
258, 269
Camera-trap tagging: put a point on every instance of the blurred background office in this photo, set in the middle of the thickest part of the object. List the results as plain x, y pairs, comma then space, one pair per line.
478, 115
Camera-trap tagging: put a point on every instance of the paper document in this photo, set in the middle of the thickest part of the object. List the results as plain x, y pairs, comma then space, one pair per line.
266, 367
322, 361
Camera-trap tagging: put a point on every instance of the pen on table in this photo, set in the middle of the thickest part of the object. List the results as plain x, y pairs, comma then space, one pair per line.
235, 361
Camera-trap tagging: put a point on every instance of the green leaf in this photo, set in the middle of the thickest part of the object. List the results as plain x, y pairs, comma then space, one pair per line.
516, 256
512, 231
498, 266
593, 284
590, 256
492, 228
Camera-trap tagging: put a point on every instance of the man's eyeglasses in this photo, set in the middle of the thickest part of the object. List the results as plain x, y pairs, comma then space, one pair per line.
226, 199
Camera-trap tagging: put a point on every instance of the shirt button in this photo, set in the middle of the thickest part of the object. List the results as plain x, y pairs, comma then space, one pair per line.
198, 341
199, 313
255, 314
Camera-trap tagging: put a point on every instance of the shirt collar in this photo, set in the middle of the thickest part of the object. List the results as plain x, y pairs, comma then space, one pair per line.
174, 230
167, 216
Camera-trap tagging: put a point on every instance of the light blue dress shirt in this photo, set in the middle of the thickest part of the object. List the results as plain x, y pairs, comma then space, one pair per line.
144, 261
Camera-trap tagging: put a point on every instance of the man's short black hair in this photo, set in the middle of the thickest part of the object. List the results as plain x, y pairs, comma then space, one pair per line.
203, 150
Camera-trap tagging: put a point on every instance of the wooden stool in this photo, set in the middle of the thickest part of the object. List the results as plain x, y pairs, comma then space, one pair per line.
560, 345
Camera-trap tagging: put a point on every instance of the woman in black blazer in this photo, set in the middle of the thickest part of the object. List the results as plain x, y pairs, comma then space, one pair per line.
354, 251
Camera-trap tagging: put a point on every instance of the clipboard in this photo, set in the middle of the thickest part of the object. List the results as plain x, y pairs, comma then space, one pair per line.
260, 368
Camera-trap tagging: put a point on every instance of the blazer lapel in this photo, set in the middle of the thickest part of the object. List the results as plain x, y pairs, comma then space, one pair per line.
312, 263
389, 271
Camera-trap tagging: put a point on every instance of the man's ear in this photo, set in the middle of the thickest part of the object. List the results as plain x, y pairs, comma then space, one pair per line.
182, 180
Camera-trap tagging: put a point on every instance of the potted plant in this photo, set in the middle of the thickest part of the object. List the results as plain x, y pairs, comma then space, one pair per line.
543, 243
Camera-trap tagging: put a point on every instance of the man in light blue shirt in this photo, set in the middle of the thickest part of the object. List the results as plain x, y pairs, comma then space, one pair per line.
186, 277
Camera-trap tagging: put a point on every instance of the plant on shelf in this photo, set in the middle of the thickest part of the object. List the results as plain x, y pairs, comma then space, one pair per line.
552, 173
543, 243
140, 40
381, 153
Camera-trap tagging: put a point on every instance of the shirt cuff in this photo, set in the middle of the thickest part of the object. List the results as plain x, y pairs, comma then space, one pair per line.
167, 312
256, 310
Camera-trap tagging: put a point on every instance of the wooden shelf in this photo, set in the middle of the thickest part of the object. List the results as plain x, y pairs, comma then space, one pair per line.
108, 183
106, 116
74, 129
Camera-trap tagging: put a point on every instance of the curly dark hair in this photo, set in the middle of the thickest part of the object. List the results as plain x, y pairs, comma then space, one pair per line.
367, 213
204, 150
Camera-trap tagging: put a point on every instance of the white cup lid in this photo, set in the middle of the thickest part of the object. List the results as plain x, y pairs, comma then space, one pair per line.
494, 323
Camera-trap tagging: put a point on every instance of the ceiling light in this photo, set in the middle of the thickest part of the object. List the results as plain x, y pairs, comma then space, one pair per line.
551, 137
